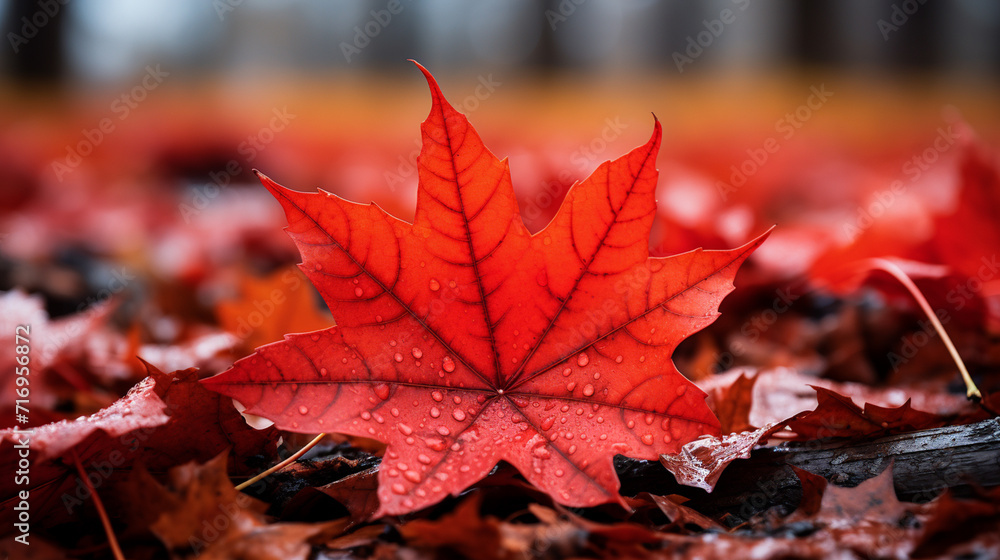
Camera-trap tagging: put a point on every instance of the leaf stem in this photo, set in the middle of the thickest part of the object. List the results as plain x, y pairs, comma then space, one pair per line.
291, 459
971, 391
101, 513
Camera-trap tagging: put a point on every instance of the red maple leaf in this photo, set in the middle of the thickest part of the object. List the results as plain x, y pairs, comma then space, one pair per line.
463, 340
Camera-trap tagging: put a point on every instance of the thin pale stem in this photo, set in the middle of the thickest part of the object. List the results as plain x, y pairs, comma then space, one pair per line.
103, 515
291, 459
971, 391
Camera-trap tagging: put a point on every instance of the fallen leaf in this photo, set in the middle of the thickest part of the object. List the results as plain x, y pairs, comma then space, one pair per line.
203, 351
950, 521
267, 308
700, 463
732, 404
200, 511
462, 531
838, 416
356, 492
872, 501
364, 536
683, 516
781, 393
163, 420
198, 505
45, 341
813, 487
463, 340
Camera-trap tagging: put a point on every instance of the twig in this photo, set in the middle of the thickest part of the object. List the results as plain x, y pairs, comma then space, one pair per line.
112, 541
924, 464
282, 464
971, 391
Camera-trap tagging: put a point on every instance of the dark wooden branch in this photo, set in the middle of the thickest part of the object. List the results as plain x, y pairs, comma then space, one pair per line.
925, 463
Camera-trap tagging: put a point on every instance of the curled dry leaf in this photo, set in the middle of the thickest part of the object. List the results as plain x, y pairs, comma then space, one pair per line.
837, 416
463, 340
199, 511
683, 516
700, 463
356, 492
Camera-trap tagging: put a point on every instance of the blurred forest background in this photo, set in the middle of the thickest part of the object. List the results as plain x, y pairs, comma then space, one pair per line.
128, 130
131, 224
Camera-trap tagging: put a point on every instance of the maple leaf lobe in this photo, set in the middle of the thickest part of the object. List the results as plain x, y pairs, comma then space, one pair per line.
463, 340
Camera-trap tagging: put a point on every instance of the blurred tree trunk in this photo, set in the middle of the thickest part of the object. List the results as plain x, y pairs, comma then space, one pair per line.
35, 41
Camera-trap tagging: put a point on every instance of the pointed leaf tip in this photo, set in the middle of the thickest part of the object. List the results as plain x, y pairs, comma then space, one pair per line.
657, 132
273, 187
438, 99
